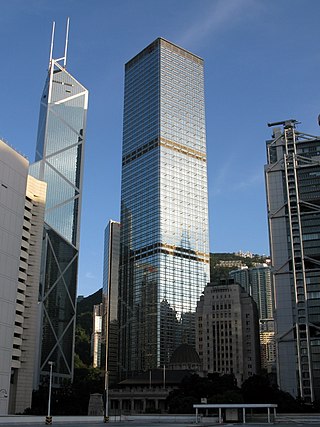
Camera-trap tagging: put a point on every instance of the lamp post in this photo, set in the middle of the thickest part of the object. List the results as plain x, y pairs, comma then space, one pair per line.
49, 417
106, 408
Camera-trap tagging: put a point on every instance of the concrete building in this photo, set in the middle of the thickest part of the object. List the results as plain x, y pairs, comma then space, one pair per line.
59, 162
268, 345
13, 180
26, 330
96, 338
227, 331
22, 202
293, 199
164, 244
257, 282
148, 391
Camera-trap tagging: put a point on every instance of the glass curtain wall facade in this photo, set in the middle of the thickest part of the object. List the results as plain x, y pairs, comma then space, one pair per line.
164, 252
110, 293
59, 162
293, 199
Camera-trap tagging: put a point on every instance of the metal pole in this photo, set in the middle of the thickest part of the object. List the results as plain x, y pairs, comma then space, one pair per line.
106, 408
106, 375
107, 397
66, 44
49, 418
51, 45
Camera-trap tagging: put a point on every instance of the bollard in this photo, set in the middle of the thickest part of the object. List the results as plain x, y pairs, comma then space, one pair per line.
48, 420
105, 419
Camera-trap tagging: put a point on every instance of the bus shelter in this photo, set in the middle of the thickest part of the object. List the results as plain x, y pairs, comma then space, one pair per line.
238, 406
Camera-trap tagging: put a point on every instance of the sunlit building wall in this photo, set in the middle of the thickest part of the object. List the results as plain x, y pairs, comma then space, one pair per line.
59, 162
26, 337
13, 180
164, 253
96, 337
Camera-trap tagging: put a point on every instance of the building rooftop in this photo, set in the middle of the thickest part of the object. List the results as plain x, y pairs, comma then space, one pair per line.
185, 354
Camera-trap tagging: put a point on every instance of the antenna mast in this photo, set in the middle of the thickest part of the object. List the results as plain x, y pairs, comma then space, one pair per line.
51, 46
66, 44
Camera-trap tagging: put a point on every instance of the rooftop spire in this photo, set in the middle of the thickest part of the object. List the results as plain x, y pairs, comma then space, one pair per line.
52, 39
64, 57
66, 44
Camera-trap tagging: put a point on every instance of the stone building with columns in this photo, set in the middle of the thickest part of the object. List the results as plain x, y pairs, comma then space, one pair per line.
148, 392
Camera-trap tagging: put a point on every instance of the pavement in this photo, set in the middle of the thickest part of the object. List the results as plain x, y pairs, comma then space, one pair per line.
284, 420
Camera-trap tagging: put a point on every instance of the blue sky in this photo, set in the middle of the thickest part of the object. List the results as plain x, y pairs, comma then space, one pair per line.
262, 64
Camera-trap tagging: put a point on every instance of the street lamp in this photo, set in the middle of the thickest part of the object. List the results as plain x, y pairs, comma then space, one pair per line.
106, 408
49, 417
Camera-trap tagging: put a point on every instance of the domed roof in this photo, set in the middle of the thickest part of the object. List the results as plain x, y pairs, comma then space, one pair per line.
185, 354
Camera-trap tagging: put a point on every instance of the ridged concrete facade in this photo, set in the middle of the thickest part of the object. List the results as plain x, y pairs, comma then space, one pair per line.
26, 332
13, 179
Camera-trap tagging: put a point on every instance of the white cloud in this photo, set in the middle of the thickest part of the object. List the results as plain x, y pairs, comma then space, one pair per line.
227, 182
221, 15
90, 275
249, 181
218, 181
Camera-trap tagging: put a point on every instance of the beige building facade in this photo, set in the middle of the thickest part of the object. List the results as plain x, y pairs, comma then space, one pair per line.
13, 179
22, 200
26, 331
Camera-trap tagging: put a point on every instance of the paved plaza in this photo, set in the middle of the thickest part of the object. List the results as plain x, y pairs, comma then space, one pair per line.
289, 420
151, 424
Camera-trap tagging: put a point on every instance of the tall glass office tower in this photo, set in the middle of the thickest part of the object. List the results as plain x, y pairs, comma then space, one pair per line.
164, 254
59, 162
110, 292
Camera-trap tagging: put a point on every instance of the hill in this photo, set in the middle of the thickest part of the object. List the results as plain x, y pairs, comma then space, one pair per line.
84, 327
222, 263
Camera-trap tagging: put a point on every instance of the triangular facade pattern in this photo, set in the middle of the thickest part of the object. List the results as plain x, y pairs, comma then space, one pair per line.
59, 162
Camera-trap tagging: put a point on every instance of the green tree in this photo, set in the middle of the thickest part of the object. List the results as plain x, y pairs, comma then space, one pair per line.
257, 389
193, 388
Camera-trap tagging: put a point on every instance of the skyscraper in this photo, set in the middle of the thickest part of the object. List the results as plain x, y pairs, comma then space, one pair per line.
110, 293
164, 248
293, 199
59, 162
